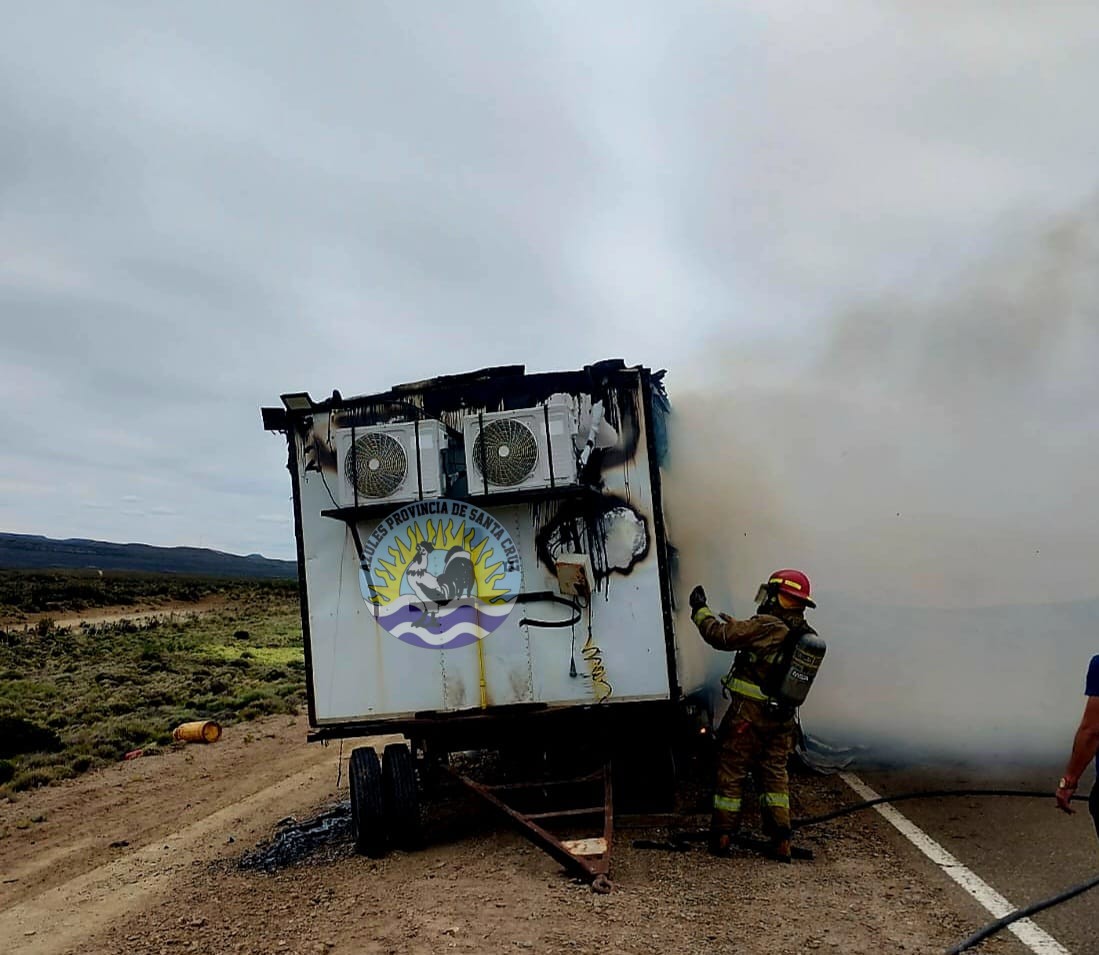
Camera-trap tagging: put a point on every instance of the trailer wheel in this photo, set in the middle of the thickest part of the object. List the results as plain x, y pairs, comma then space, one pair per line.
367, 802
402, 797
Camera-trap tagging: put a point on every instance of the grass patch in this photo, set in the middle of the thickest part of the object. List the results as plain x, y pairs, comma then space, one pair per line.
269, 656
85, 696
33, 779
70, 591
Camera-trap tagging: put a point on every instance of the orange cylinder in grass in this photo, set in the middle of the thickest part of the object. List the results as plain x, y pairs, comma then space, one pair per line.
202, 731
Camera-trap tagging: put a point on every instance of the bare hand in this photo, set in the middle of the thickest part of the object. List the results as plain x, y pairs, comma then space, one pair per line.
1064, 799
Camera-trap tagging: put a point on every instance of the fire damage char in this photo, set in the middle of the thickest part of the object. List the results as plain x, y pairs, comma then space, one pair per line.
610, 530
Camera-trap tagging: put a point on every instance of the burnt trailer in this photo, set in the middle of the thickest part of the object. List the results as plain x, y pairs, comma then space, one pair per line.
485, 566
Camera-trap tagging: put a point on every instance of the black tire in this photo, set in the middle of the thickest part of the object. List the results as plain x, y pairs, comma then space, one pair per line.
402, 796
367, 802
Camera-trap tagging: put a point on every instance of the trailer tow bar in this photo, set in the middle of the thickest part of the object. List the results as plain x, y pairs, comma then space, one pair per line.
589, 858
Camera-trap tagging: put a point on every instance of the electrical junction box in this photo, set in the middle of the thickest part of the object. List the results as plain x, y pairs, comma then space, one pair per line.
574, 576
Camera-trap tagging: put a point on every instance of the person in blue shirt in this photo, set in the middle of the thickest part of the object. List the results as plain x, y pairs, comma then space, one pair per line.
1084, 749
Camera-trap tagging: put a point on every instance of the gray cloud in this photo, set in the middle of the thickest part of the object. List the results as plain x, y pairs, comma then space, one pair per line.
202, 207
929, 450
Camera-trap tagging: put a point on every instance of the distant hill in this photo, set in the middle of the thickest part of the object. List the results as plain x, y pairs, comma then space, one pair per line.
32, 552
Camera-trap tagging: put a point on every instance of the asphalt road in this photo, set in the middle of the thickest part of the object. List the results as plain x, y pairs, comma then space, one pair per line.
1024, 848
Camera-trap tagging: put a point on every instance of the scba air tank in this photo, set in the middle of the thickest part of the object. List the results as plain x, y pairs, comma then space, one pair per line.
799, 673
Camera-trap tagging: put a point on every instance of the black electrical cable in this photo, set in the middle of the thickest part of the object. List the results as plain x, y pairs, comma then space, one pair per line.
320, 468
924, 794
551, 624
549, 597
1000, 924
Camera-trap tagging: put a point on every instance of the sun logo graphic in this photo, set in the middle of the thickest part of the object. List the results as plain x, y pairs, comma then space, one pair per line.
440, 574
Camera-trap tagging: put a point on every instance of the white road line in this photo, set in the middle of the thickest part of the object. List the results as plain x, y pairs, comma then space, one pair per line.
1037, 940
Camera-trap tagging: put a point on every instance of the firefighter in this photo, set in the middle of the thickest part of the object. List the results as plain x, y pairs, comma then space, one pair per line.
757, 731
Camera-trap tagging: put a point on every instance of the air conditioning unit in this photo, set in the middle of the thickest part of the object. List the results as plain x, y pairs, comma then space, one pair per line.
390, 463
520, 450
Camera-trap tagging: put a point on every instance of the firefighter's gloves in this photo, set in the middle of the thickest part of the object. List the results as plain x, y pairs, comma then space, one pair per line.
699, 610
697, 599
1066, 788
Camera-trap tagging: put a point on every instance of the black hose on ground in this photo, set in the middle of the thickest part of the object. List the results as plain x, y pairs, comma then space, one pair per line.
700, 835
924, 794
1000, 924
680, 842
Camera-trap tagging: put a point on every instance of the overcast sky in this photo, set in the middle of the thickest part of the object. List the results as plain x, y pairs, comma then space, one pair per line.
205, 205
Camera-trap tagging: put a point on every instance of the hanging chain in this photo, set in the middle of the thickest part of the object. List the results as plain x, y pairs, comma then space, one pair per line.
442, 668
530, 664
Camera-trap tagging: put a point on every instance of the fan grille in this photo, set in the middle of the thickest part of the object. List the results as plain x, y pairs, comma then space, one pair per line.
505, 452
375, 465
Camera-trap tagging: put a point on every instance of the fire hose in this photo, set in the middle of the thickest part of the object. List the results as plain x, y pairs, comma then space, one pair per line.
992, 928
922, 794
900, 797
679, 840
1000, 924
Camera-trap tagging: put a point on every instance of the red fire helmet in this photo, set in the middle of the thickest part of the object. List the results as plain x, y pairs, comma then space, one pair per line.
794, 584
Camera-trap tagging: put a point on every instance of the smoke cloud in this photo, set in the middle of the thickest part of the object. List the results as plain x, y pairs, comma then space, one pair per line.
930, 461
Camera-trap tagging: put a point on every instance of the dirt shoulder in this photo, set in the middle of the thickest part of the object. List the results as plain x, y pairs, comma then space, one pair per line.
138, 612
142, 858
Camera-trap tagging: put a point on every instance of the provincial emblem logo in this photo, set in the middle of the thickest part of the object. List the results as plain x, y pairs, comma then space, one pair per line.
440, 574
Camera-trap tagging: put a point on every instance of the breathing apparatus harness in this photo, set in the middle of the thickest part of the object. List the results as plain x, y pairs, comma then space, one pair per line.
792, 666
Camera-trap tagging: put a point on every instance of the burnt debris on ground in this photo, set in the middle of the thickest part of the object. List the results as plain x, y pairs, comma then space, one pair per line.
295, 841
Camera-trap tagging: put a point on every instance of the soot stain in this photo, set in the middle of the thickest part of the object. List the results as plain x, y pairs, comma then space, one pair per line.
596, 528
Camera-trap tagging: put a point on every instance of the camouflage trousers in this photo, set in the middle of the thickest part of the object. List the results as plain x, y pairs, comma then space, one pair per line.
751, 740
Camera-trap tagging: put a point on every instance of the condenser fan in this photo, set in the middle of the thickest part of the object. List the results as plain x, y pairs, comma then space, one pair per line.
375, 465
505, 452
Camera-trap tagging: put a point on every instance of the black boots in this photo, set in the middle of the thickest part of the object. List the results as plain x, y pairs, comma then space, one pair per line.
780, 850
721, 844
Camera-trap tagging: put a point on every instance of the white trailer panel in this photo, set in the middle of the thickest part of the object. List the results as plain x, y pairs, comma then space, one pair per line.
553, 648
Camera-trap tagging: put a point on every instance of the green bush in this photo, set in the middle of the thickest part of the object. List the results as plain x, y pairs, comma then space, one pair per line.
264, 706
18, 736
32, 779
251, 696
